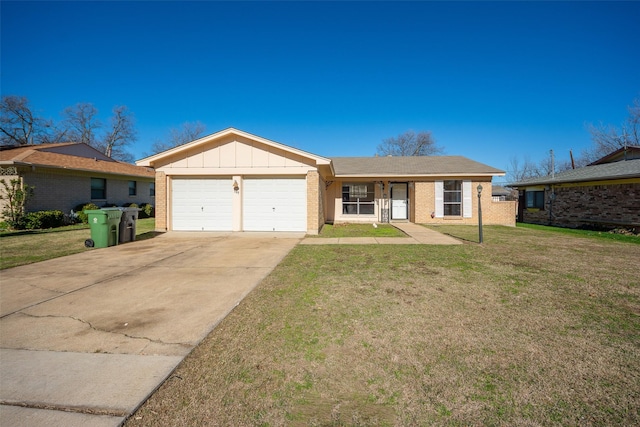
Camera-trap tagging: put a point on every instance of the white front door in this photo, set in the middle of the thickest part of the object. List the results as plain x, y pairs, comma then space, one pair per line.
274, 204
201, 204
399, 201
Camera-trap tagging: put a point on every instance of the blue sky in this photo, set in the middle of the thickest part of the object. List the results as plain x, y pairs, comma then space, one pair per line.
490, 80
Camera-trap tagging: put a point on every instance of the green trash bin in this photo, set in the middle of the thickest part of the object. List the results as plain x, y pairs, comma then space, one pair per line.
104, 224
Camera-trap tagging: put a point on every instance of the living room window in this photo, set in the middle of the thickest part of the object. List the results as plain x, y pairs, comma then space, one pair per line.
534, 199
452, 198
152, 189
358, 198
133, 188
98, 189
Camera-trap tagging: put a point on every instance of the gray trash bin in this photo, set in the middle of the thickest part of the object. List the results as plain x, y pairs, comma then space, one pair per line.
128, 224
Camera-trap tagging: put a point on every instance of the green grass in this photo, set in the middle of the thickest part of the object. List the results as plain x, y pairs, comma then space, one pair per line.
29, 246
360, 230
534, 327
585, 233
470, 232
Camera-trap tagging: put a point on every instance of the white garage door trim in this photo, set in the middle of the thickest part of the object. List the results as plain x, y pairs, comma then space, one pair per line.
274, 204
201, 204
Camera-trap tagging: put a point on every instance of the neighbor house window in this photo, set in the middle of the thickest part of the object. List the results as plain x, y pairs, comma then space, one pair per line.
358, 198
152, 189
98, 188
133, 188
452, 195
534, 199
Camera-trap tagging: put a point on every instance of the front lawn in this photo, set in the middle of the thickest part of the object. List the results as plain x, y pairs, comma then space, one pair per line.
533, 327
360, 230
29, 246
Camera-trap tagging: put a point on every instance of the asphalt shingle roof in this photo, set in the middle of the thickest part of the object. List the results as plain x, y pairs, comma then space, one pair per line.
37, 155
606, 171
413, 166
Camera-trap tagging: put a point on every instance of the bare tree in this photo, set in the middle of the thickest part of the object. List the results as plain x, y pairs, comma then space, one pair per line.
20, 126
521, 171
187, 132
121, 133
608, 138
409, 144
81, 123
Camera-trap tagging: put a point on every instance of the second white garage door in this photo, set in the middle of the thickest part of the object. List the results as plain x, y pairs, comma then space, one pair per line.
201, 204
274, 204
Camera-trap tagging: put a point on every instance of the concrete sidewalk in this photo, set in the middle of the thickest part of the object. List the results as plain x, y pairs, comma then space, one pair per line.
416, 235
85, 339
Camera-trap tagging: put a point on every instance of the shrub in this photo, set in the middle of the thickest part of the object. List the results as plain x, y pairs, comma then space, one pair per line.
16, 195
43, 219
79, 210
130, 205
147, 211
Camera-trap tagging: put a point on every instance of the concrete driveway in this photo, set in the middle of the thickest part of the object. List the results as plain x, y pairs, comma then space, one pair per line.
84, 339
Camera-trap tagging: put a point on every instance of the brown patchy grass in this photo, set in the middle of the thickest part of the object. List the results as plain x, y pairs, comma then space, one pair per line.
530, 328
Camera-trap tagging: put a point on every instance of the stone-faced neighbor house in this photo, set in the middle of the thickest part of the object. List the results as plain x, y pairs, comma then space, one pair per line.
68, 174
605, 193
235, 181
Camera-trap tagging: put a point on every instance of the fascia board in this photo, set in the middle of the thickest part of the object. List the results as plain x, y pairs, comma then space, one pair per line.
441, 175
148, 161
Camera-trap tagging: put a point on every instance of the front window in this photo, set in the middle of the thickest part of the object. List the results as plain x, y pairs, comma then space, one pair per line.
452, 198
358, 198
152, 189
98, 188
133, 188
534, 199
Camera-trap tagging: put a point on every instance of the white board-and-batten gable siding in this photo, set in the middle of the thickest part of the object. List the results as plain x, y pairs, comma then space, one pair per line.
236, 153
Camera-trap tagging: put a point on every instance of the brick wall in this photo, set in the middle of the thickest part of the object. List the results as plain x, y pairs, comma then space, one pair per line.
161, 201
575, 205
63, 190
3, 201
315, 213
493, 213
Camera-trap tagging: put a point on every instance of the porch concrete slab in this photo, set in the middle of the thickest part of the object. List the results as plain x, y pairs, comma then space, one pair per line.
424, 235
396, 241
320, 241
18, 415
357, 240
416, 234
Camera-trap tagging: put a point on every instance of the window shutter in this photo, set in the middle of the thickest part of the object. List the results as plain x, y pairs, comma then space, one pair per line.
439, 199
467, 200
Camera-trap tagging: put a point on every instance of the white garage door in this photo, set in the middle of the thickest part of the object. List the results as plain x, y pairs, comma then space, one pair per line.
274, 204
201, 204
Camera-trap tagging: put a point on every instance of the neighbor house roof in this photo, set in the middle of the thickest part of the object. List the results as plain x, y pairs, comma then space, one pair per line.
624, 153
432, 166
69, 156
601, 172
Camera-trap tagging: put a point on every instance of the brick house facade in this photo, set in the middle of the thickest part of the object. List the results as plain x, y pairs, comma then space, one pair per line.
604, 194
62, 176
250, 183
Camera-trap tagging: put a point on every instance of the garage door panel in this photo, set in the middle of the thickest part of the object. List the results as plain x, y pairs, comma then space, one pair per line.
201, 204
275, 204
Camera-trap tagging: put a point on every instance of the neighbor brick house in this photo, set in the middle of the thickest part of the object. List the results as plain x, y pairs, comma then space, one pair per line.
235, 181
68, 174
605, 193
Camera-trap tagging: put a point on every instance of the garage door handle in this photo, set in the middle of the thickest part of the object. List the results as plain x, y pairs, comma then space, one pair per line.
202, 209
274, 209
